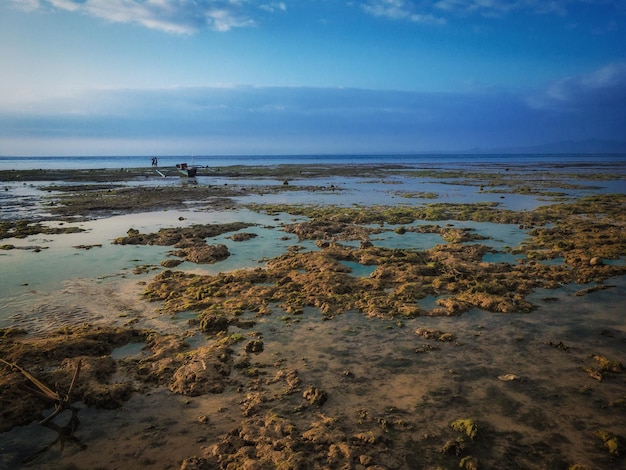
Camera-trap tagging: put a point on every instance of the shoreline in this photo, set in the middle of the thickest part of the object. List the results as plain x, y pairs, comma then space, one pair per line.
252, 354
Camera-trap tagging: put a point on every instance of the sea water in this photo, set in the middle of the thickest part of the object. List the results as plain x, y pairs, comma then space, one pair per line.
499, 162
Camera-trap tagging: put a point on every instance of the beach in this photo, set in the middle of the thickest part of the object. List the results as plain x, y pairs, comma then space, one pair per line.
462, 313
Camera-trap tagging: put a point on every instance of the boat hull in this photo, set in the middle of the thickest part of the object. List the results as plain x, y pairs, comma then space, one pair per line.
188, 171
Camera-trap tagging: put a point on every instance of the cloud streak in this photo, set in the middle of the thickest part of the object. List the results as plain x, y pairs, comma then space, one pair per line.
400, 10
174, 16
603, 89
190, 16
497, 8
435, 12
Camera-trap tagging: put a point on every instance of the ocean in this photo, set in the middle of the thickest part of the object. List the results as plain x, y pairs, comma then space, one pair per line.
136, 161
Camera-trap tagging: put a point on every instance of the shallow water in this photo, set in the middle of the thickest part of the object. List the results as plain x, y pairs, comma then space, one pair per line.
369, 367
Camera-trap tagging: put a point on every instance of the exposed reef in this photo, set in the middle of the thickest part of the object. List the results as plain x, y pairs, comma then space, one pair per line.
189, 241
455, 273
25, 228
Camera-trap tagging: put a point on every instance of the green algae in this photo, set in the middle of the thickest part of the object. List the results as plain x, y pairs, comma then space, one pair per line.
466, 426
417, 195
612, 442
404, 215
26, 228
607, 365
469, 463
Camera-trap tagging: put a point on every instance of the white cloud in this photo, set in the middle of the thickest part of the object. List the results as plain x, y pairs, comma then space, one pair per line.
423, 11
601, 91
399, 10
172, 16
608, 76
274, 6
496, 8
26, 5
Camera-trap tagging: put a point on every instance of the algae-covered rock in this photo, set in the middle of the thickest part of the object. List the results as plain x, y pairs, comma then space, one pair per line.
618, 403
214, 323
206, 254
171, 263
204, 371
613, 443
315, 396
437, 335
469, 463
242, 236
254, 346
180, 236
508, 377
466, 426
196, 463
593, 373
290, 377
454, 447
607, 365
324, 431
189, 241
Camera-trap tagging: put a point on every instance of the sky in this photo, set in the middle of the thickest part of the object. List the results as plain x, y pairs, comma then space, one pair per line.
244, 77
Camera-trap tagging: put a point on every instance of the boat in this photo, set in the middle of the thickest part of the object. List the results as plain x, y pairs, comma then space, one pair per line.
186, 170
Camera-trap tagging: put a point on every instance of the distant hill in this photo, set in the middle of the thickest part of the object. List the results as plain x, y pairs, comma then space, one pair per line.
577, 147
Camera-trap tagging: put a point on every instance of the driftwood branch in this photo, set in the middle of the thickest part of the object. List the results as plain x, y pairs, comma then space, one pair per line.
45, 392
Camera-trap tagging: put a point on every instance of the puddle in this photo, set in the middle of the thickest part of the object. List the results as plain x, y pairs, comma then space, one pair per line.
552, 262
500, 258
429, 302
130, 350
358, 269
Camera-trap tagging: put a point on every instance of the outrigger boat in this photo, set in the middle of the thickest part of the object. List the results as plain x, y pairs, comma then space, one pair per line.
183, 169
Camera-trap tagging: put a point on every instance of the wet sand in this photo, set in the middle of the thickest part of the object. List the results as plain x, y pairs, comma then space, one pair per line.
296, 387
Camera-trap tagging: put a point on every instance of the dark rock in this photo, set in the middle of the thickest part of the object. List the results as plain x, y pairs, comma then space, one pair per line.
254, 346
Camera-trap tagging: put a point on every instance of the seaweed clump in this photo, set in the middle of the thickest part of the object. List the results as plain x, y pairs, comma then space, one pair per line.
468, 427
604, 367
613, 443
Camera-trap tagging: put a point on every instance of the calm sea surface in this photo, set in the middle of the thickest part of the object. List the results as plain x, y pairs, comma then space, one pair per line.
79, 162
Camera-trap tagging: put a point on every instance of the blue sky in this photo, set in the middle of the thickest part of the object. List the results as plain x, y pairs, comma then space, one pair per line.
204, 77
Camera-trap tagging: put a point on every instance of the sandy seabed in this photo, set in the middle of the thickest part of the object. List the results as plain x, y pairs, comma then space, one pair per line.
303, 365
